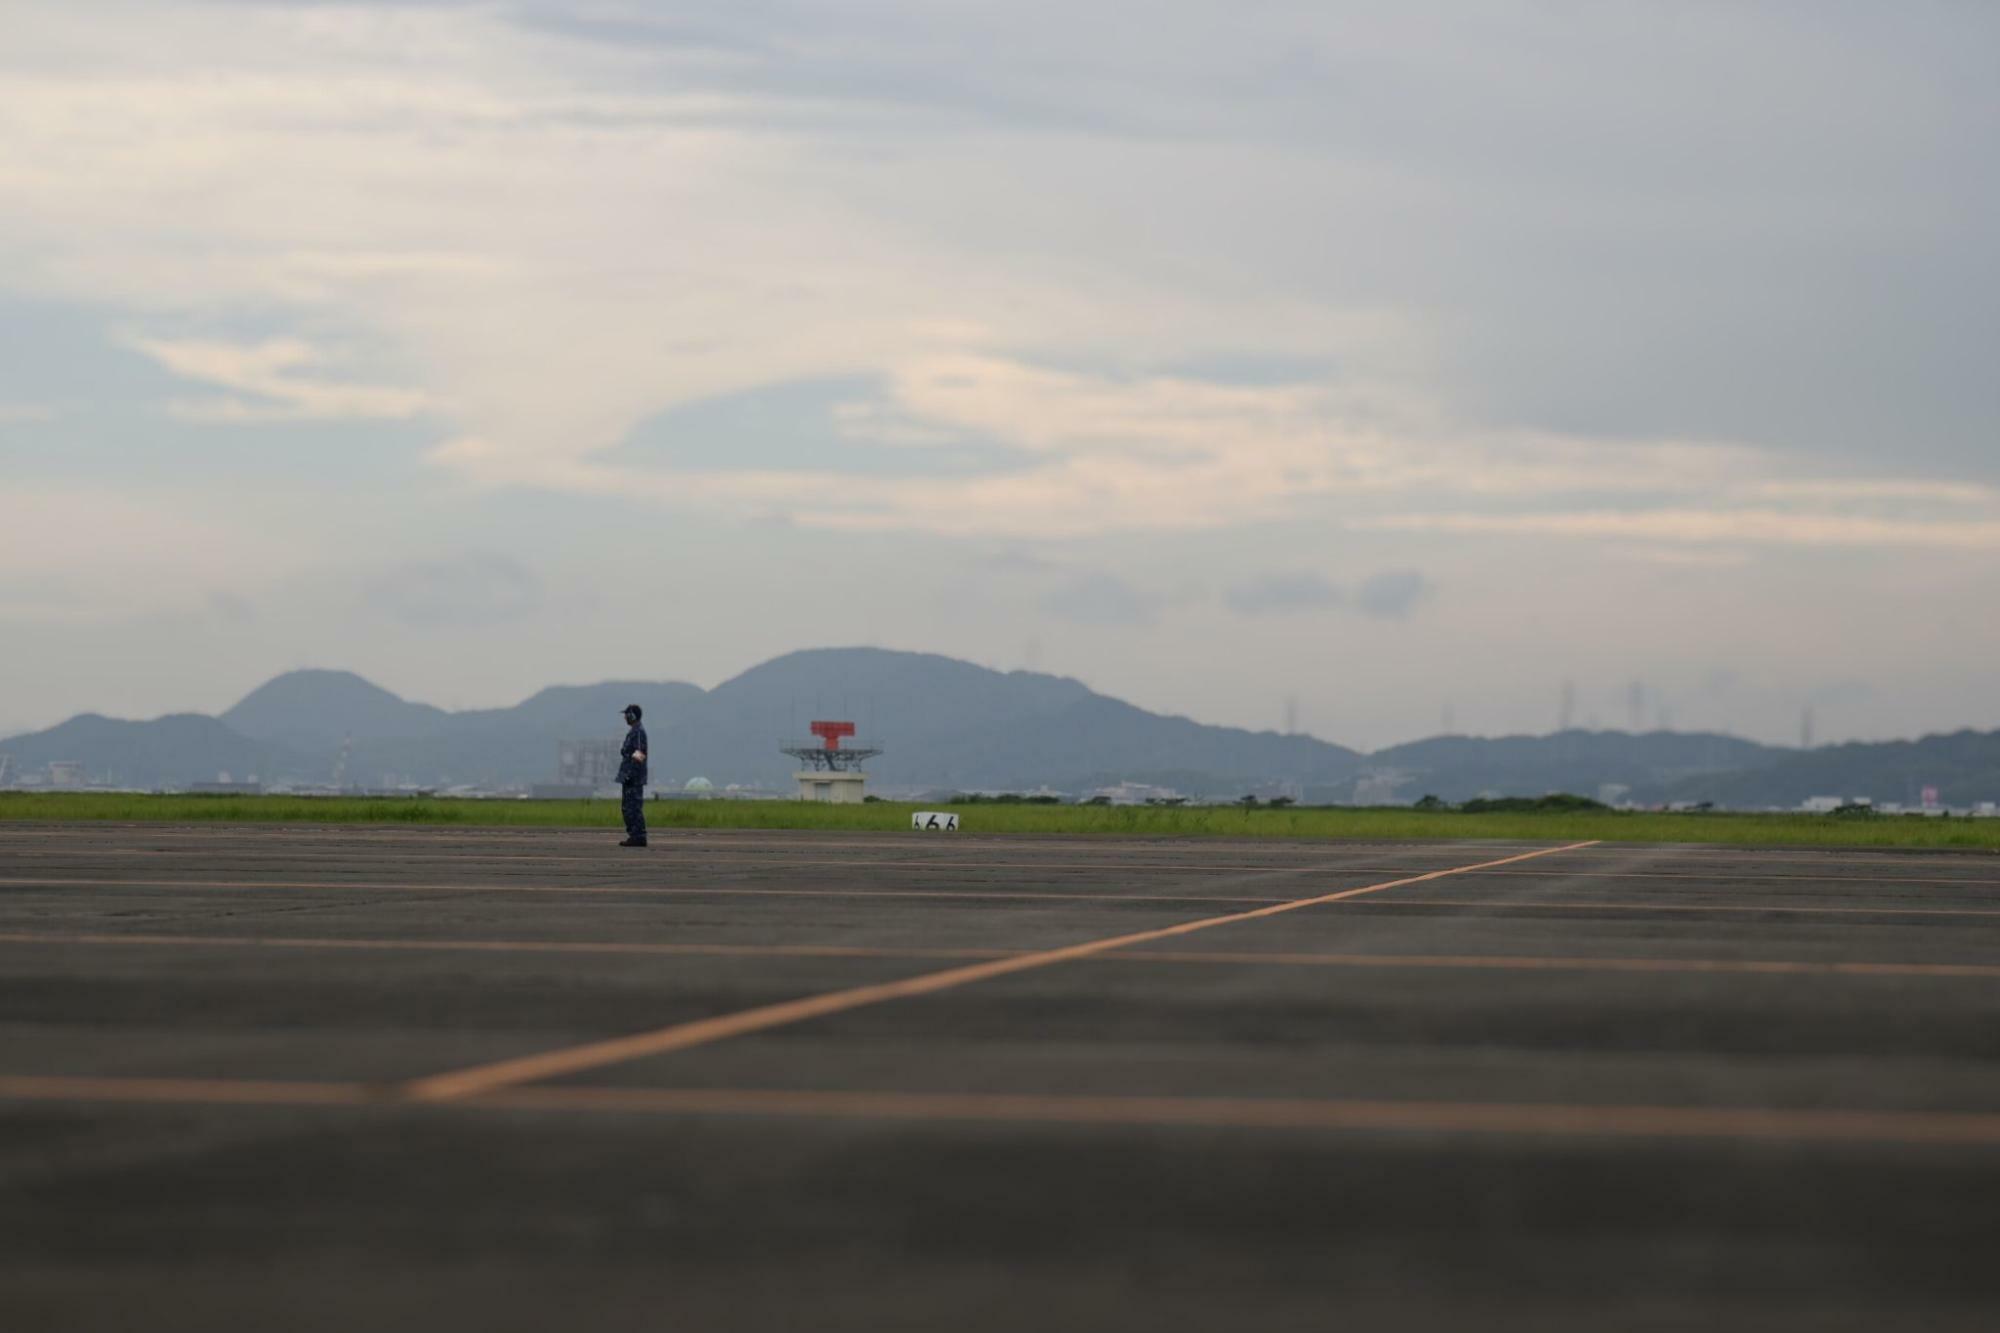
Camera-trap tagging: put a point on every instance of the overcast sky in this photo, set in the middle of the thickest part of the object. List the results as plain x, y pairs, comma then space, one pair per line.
1394, 357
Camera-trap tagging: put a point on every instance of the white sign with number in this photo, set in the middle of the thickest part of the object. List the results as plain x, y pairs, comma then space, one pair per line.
934, 821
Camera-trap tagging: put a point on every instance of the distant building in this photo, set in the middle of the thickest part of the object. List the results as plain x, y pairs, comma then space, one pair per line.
587, 763
1380, 787
1137, 793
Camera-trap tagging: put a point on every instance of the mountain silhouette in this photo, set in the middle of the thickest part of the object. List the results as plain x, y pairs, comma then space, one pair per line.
945, 724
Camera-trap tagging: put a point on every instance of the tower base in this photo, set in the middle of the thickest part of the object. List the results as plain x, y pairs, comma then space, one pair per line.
834, 788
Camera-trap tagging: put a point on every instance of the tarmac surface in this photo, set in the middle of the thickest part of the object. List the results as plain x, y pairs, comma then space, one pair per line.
384, 1078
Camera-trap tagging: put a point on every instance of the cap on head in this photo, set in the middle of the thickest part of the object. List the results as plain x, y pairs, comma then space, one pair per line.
633, 712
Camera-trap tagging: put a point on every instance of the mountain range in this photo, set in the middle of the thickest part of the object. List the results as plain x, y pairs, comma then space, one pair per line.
945, 724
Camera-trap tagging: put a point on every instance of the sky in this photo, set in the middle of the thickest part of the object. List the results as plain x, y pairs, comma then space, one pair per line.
1386, 366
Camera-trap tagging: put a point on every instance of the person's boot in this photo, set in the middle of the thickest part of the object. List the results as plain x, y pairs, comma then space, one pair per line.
633, 842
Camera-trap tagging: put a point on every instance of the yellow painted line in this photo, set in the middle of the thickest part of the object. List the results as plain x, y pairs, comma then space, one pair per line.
1816, 881
681, 859
1467, 962
681, 1036
684, 862
1534, 1119
1559, 963
1494, 905
626, 890
501, 946
195, 1091
1502, 905
1556, 1120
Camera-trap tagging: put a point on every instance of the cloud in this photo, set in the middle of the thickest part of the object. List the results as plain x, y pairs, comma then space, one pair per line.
13, 414
1736, 527
474, 589
556, 229
1074, 452
270, 372
1101, 599
1282, 594
1389, 595
1392, 595
77, 553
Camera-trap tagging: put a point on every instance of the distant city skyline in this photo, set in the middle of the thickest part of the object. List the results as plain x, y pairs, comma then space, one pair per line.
1370, 360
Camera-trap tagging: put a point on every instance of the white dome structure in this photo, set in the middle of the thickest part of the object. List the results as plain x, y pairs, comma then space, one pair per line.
699, 785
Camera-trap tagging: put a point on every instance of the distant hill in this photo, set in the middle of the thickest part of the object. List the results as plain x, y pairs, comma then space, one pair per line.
503, 746
948, 724
318, 709
167, 751
1964, 766
1458, 768
943, 723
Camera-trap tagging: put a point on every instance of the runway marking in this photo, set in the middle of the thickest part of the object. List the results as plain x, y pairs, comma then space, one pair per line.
511, 946
1558, 963
1469, 962
1120, 867
200, 1091
628, 890
1521, 1119
678, 857
1568, 1121
1816, 881
1502, 905
681, 1036
632, 890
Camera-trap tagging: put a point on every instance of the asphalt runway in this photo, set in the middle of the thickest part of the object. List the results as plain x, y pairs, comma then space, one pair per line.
337, 1078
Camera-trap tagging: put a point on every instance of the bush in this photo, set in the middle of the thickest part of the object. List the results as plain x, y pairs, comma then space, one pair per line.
1002, 798
1554, 803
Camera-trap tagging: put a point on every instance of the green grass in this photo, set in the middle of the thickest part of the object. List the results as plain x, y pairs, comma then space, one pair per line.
1565, 826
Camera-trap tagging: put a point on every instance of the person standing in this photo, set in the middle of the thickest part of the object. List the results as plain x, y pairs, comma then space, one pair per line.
632, 777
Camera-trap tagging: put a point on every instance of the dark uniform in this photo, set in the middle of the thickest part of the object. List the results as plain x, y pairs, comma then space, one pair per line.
632, 778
